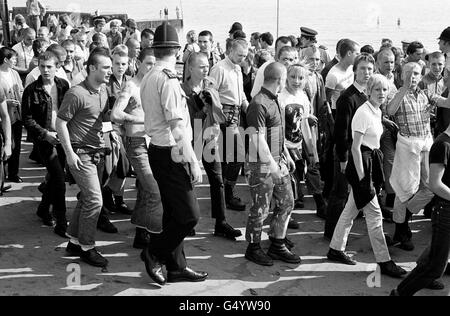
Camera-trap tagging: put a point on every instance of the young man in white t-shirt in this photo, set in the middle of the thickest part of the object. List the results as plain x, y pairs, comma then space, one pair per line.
341, 76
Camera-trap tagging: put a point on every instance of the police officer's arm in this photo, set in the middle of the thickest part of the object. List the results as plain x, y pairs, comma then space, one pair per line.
118, 114
179, 133
6, 127
172, 103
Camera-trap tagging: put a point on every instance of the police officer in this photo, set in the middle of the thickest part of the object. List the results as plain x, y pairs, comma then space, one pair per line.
172, 158
269, 165
308, 38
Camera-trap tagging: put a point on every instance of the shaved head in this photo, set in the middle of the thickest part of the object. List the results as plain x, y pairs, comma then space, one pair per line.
274, 72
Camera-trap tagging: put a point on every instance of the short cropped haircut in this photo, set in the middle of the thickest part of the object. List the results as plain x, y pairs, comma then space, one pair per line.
194, 56
239, 43
95, 56
364, 57
273, 72
262, 57
206, 33
146, 33
148, 51
436, 55
256, 35
375, 81
347, 46
28, 31
6, 52
48, 55
67, 42
239, 34
368, 49
58, 50
120, 50
286, 49
267, 38
38, 44
413, 47
284, 40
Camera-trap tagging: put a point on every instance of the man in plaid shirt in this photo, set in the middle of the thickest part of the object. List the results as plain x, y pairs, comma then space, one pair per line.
411, 108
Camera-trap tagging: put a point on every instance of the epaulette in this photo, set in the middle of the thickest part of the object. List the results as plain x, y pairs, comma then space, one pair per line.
170, 74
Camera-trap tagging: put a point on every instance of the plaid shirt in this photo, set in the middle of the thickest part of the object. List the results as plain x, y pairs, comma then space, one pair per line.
413, 115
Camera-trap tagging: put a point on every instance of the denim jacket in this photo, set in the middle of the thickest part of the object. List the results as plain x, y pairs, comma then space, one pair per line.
37, 107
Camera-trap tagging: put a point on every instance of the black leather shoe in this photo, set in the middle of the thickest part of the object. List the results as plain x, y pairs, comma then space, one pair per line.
108, 201
141, 239
44, 214
94, 258
15, 179
394, 293
6, 188
121, 207
225, 230
293, 224
42, 187
60, 230
187, 275
280, 252
391, 269
299, 204
105, 225
255, 254
341, 257
436, 285
153, 267
73, 250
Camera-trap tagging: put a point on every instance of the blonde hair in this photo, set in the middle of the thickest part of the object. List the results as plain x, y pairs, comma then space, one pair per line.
375, 81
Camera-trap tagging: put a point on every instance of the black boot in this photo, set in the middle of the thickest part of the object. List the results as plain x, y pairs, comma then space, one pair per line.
289, 243
108, 202
403, 235
121, 207
279, 251
141, 239
232, 200
105, 225
321, 206
255, 254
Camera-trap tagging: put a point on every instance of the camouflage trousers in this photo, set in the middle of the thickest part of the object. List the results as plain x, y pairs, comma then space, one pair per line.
264, 191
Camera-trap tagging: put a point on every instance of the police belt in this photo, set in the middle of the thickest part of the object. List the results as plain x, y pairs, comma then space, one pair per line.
232, 113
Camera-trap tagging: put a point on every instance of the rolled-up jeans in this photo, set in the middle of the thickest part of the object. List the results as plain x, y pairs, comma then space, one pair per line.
433, 262
263, 189
148, 211
83, 226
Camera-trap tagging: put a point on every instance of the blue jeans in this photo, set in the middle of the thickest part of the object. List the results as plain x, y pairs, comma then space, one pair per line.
431, 266
263, 189
83, 225
148, 211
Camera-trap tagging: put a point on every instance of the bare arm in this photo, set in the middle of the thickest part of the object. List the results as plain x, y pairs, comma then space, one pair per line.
436, 185
188, 154
394, 105
118, 114
63, 133
357, 155
259, 140
6, 127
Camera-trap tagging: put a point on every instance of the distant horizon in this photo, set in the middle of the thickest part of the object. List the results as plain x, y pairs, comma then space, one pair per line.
332, 19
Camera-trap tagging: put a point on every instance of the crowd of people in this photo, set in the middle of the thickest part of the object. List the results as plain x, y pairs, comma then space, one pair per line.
367, 131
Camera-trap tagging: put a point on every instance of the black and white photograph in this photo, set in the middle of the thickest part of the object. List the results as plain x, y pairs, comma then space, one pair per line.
225, 154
